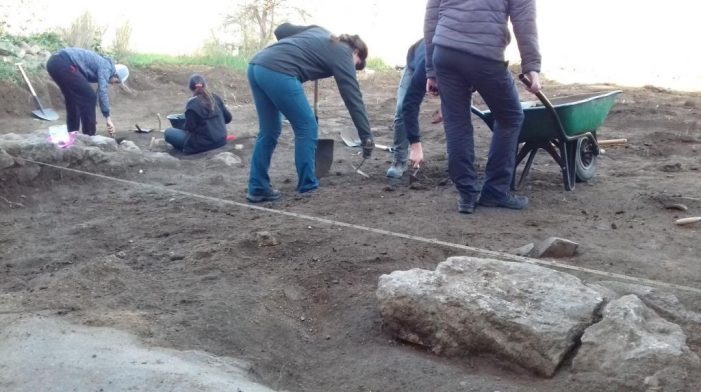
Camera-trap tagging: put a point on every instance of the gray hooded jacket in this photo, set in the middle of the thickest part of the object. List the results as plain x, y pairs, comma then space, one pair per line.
480, 27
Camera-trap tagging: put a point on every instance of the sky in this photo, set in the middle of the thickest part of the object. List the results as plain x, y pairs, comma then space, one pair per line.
628, 42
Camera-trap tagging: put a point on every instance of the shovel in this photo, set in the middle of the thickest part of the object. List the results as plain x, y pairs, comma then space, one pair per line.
324, 147
42, 113
357, 169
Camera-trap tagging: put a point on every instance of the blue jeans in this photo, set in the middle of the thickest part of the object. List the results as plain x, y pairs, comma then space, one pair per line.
176, 137
275, 93
457, 73
401, 143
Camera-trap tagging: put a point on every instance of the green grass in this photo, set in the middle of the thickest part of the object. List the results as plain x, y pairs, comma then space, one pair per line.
8, 71
238, 63
376, 64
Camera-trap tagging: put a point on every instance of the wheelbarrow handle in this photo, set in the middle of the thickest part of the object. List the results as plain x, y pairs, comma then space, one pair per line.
546, 102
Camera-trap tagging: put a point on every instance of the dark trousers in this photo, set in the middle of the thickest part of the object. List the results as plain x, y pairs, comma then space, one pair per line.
78, 93
457, 73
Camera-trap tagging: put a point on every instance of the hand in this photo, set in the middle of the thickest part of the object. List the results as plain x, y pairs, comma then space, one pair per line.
432, 87
368, 146
416, 155
535, 82
110, 127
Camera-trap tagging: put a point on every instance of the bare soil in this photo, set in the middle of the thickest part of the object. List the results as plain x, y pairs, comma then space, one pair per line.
191, 274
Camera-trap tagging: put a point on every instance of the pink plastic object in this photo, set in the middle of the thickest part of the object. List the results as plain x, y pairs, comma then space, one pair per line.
63, 142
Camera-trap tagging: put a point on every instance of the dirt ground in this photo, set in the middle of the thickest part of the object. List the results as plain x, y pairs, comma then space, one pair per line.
186, 273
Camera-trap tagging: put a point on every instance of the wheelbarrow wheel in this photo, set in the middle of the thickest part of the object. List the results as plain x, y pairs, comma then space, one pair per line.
585, 159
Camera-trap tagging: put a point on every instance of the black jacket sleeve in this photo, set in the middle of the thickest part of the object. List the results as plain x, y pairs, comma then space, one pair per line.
224, 110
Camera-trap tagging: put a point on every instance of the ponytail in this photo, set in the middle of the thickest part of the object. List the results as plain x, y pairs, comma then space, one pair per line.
198, 86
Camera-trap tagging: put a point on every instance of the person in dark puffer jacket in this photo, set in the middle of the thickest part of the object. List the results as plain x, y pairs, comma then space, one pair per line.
465, 44
205, 121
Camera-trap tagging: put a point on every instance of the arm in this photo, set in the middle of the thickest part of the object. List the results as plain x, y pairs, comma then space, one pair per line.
430, 23
344, 74
412, 102
192, 119
523, 18
224, 110
104, 73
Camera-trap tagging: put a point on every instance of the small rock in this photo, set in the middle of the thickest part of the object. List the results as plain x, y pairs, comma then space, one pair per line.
302, 318
676, 206
266, 238
554, 247
176, 257
226, 159
121, 254
672, 168
524, 250
6, 160
128, 145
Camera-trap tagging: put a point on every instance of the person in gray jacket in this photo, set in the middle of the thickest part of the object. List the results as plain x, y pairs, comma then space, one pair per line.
276, 74
73, 69
465, 44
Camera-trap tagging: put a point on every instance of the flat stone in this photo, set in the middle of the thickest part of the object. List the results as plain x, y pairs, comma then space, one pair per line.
523, 313
6, 160
554, 247
634, 349
226, 159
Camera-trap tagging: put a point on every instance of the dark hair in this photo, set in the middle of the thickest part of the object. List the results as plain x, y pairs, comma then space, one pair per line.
198, 86
355, 42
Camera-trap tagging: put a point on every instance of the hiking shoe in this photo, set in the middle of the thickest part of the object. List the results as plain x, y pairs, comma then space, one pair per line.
466, 207
511, 201
396, 170
270, 195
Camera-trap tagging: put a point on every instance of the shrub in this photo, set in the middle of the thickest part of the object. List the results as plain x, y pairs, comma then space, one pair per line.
84, 33
377, 64
120, 45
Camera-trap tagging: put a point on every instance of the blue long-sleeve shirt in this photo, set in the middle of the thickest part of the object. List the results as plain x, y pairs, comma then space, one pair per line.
96, 69
416, 60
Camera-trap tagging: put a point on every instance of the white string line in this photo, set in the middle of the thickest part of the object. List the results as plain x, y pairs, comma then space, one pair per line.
432, 241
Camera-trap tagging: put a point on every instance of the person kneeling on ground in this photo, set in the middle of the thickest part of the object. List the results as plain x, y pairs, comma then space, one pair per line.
73, 69
205, 121
276, 74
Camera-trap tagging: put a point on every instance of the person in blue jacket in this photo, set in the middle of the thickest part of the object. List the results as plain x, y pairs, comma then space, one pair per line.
73, 69
205, 121
276, 74
410, 95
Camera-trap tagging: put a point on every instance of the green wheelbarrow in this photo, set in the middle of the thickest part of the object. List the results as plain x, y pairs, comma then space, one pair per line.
566, 129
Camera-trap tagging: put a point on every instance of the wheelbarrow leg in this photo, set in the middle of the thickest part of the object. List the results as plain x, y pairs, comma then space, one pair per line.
570, 181
561, 157
529, 150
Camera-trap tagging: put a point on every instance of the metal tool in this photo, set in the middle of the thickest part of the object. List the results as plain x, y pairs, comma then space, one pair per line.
42, 113
413, 177
357, 168
324, 147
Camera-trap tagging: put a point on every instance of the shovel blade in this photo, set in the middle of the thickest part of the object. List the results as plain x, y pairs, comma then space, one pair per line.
46, 114
324, 157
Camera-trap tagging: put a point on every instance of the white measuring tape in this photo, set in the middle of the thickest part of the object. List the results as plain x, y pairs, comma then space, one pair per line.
484, 252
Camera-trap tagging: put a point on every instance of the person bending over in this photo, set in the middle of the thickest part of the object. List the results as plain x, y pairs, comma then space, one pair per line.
73, 70
276, 74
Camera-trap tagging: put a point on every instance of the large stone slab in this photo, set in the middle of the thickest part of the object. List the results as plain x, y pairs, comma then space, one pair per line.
634, 349
51, 355
524, 313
